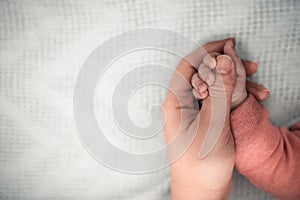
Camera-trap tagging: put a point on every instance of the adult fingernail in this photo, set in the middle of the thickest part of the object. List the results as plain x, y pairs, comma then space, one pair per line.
262, 87
264, 95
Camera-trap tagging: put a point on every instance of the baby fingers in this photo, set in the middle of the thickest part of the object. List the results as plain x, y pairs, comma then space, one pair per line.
200, 95
199, 87
206, 74
210, 59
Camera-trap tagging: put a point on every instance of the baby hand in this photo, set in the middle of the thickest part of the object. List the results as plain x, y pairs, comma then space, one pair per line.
205, 77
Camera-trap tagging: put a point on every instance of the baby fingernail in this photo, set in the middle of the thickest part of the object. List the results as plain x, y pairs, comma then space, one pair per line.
212, 63
224, 64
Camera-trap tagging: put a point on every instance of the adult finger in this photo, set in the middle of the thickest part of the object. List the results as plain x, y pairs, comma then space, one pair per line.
257, 90
218, 46
250, 67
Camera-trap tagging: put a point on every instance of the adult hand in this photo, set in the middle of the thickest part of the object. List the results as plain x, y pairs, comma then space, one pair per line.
193, 177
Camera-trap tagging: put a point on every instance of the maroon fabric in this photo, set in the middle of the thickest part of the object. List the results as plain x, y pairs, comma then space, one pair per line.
267, 155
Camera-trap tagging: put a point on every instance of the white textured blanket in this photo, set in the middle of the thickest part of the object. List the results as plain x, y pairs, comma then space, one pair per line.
42, 47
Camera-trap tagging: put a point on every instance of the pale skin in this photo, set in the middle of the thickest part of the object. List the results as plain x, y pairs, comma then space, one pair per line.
210, 177
200, 86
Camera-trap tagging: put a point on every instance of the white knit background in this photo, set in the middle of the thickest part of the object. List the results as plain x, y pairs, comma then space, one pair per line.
42, 47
